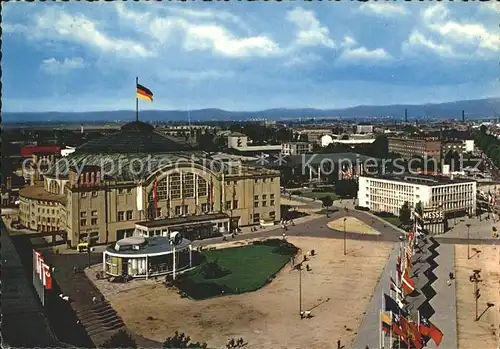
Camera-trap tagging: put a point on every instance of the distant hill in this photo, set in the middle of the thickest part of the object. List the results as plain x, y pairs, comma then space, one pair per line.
480, 108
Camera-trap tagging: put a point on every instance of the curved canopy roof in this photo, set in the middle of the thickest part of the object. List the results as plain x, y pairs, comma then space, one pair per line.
135, 137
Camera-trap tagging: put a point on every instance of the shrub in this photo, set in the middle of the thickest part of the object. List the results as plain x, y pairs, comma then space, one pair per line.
361, 208
212, 270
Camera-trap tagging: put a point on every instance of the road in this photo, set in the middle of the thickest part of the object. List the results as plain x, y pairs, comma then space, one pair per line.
81, 290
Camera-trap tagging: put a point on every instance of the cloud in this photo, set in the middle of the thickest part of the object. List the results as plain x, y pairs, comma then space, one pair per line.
310, 31
363, 54
208, 14
446, 37
54, 66
59, 25
201, 36
219, 40
384, 9
418, 42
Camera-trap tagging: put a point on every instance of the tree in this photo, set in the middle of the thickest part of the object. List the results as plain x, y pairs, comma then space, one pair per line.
180, 340
212, 270
404, 213
120, 339
327, 201
419, 208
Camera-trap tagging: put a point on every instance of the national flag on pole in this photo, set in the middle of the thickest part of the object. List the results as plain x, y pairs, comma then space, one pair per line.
386, 321
408, 284
396, 288
410, 333
38, 263
428, 329
155, 194
144, 93
47, 277
393, 306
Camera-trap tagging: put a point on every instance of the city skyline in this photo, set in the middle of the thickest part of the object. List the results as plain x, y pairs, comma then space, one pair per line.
237, 56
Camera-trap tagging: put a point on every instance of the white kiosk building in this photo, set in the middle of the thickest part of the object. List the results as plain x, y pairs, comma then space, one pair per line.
141, 256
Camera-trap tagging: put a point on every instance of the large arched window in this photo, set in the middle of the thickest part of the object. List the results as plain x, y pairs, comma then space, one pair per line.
54, 187
181, 189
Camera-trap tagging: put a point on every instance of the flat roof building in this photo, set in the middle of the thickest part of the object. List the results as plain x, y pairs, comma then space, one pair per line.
409, 147
388, 193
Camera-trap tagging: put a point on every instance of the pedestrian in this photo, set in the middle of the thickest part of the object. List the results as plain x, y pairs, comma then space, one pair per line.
74, 269
94, 300
451, 276
448, 282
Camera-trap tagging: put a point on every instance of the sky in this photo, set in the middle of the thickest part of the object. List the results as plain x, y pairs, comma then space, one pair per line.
249, 56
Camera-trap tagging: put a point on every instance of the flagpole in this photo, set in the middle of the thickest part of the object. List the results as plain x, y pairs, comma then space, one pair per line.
380, 327
136, 100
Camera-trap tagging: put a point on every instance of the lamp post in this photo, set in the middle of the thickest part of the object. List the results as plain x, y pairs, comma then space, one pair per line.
468, 240
475, 278
345, 252
300, 289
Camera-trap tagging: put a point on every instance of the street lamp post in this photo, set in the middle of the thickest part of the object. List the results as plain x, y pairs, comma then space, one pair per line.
345, 249
300, 289
475, 278
468, 240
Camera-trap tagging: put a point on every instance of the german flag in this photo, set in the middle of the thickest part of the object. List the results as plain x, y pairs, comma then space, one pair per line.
144, 93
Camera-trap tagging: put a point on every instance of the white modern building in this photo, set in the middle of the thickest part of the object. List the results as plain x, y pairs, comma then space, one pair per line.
240, 142
390, 192
364, 129
296, 148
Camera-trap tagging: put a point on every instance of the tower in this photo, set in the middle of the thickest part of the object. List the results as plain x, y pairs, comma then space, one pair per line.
406, 116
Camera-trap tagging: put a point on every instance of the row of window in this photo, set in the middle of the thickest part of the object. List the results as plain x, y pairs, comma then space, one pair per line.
84, 194
93, 221
125, 215
42, 210
83, 214
256, 216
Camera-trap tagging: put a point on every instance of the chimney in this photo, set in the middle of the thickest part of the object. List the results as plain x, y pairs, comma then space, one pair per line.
81, 128
406, 116
463, 115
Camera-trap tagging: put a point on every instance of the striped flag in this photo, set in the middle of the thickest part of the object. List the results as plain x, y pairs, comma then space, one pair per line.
144, 93
408, 284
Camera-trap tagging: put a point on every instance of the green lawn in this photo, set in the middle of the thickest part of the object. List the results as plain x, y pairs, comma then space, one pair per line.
247, 268
318, 196
392, 220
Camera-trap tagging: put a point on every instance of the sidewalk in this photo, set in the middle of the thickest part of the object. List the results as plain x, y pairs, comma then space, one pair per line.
478, 229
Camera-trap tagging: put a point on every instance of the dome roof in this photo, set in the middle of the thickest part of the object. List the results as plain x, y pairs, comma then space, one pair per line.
135, 137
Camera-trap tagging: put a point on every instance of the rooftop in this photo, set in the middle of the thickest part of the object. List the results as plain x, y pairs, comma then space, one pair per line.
135, 137
132, 167
428, 180
153, 245
38, 192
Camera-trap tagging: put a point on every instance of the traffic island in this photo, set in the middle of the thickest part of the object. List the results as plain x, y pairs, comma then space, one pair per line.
352, 225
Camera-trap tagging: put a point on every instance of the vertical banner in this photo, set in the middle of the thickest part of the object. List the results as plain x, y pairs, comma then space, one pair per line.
211, 195
37, 276
139, 200
155, 195
47, 276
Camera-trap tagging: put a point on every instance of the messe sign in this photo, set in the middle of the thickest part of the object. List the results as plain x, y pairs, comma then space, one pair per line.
433, 216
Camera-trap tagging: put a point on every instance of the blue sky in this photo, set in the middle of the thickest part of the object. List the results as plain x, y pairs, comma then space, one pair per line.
246, 55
